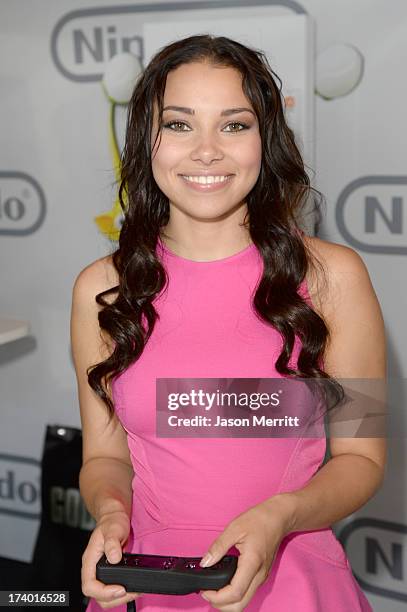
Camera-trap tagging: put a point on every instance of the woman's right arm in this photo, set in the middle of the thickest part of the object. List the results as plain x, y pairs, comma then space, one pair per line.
106, 474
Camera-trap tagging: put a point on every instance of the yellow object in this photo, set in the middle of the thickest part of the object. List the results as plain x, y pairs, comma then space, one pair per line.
109, 223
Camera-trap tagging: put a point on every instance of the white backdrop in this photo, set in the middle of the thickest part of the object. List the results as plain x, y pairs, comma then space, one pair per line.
56, 177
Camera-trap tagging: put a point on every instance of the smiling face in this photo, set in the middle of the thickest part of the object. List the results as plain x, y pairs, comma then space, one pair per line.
206, 137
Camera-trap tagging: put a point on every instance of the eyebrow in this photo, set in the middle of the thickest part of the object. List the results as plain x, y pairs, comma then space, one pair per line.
225, 112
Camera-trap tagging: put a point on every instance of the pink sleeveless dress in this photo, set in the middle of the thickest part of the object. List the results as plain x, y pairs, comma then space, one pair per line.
186, 490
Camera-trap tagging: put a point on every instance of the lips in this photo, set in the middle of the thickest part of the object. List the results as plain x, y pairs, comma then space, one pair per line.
205, 174
207, 187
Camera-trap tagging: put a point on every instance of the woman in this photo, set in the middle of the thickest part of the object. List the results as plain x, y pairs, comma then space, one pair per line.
213, 278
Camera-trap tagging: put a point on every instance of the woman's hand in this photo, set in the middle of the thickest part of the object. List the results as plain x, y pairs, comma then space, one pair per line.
257, 534
109, 536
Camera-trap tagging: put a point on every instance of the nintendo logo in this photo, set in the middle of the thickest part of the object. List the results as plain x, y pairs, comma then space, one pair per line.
22, 204
20, 487
370, 214
377, 550
83, 40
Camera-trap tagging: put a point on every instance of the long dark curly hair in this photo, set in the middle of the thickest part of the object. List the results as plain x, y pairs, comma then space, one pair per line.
275, 206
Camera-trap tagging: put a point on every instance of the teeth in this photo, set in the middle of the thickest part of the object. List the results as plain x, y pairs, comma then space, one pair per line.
205, 180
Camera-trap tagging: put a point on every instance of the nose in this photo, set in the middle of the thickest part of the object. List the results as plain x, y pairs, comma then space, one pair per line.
206, 149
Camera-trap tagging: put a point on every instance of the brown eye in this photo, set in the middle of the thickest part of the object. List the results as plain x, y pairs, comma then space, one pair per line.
243, 126
171, 123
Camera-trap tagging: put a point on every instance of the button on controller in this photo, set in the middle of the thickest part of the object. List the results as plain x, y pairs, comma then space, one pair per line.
132, 560
190, 565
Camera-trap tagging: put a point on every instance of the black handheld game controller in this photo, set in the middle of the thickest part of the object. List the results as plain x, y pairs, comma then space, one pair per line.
166, 575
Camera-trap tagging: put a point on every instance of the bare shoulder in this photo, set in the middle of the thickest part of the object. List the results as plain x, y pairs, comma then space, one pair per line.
343, 271
350, 308
97, 276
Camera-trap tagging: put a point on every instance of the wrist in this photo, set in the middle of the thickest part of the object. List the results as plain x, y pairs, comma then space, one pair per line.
110, 506
287, 507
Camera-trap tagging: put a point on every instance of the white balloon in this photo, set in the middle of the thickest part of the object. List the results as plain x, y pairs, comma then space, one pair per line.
120, 77
339, 69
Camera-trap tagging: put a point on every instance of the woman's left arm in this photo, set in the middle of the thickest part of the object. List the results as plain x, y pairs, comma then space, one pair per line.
355, 471
357, 350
